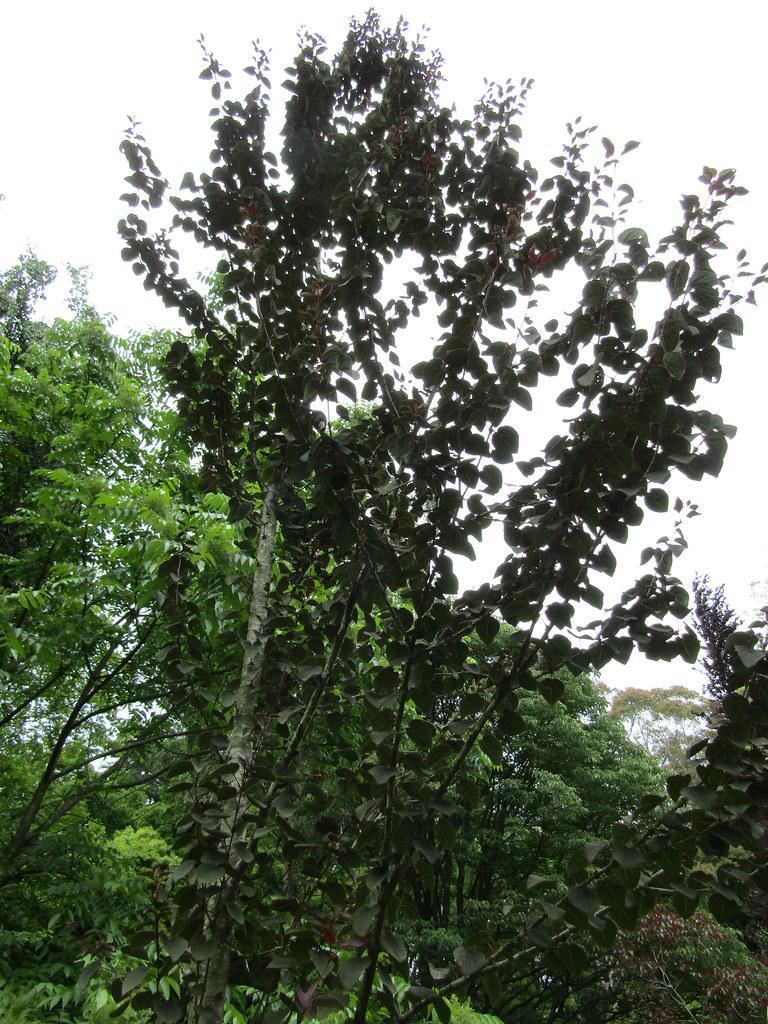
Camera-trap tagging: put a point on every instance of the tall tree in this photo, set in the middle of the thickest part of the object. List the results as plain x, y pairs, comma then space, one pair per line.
21, 289
716, 622
352, 527
89, 476
664, 720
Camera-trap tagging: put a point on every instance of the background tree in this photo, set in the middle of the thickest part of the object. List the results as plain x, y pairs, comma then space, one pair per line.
92, 507
664, 720
677, 969
21, 289
719, 628
565, 775
716, 621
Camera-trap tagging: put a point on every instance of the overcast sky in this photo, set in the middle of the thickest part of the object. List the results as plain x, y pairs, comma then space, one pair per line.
687, 79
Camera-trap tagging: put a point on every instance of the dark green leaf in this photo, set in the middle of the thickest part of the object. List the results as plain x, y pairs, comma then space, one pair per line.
86, 974
492, 478
488, 628
394, 946
350, 970
551, 688
134, 978
657, 500
505, 444
674, 363
362, 918
560, 613
634, 235
539, 882
569, 958
583, 899
469, 959
491, 746
176, 946
749, 657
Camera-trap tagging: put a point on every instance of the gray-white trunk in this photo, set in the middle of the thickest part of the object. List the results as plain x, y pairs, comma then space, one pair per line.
210, 1008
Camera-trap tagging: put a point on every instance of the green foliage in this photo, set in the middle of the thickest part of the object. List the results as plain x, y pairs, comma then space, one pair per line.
21, 289
51, 1003
463, 1013
142, 844
665, 720
92, 479
73, 583
563, 780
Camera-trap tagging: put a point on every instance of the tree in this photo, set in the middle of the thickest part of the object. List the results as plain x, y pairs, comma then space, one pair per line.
664, 720
353, 629
719, 628
676, 969
21, 289
716, 621
562, 779
98, 504
88, 477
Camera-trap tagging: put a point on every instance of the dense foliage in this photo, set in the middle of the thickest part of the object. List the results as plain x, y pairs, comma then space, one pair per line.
675, 969
664, 720
274, 764
716, 621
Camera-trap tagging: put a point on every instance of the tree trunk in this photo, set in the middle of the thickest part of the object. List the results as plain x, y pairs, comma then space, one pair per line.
210, 1008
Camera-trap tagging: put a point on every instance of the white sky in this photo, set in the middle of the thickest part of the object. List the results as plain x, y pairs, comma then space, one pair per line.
686, 78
